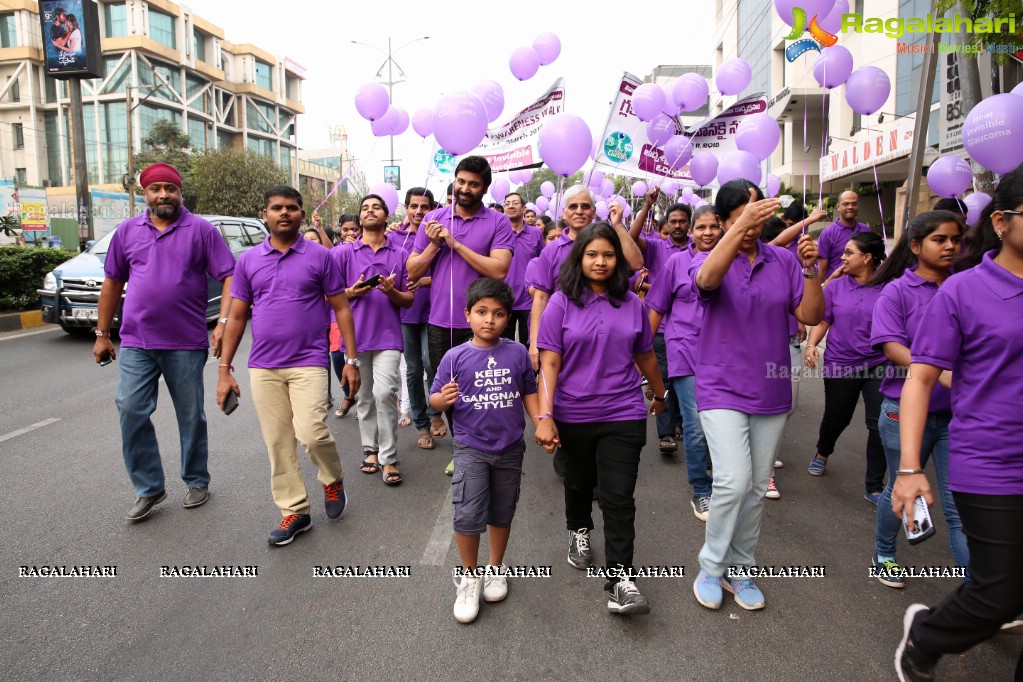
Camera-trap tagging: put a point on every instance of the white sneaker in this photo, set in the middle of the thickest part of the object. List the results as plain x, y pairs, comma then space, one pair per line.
772, 490
778, 464
467, 598
495, 584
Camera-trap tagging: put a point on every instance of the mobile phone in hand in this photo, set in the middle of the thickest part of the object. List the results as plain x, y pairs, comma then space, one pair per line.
371, 282
922, 527
105, 358
230, 402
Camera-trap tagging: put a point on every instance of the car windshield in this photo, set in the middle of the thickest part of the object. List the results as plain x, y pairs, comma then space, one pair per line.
103, 245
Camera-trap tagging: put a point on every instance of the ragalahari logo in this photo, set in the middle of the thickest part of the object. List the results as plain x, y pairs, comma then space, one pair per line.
819, 37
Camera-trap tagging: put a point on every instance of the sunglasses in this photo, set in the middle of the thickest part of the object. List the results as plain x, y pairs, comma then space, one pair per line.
1012, 212
579, 207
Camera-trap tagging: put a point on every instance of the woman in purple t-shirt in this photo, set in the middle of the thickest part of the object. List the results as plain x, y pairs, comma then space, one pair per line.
852, 367
593, 335
974, 328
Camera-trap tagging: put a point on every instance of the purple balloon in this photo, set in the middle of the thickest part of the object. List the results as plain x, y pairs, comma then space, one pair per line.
639, 188
607, 187
371, 101
690, 91
833, 22
669, 188
867, 89
595, 178
602, 210
499, 189
386, 124
564, 143
733, 76
678, 151
814, 8
660, 130
647, 101
543, 203
402, 123
773, 184
627, 211
950, 176
975, 205
833, 66
422, 122
739, 164
993, 132
687, 193
524, 63
671, 108
548, 189
493, 98
460, 122
548, 47
618, 199
758, 134
1018, 90
703, 168
388, 193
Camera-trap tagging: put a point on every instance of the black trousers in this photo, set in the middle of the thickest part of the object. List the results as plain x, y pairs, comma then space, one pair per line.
670, 418
518, 326
439, 341
840, 397
605, 455
993, 595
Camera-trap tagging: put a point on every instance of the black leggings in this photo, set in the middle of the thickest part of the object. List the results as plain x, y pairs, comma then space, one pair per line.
840, 398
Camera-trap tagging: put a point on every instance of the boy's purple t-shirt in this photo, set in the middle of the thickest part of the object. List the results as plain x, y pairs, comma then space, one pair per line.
598, 381
743, 362
832, 241
974, 328
419, 312
489, 414
377, 320
673, 296
528, 243
165, 302
849, 309
289, 312
451, 275
897, 315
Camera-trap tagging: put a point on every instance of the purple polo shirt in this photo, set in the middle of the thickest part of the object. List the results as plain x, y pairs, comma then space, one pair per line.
289, 313
849, 309
377, 320
419, 312
598, 381
832, 241
531, 272
528, 243
672, 294
548, 270
743, 361
658, 251
897, 315
974, 327
165, 304
489, 415
484, 232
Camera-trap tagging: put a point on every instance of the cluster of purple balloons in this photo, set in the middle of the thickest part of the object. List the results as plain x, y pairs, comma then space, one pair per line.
525, 61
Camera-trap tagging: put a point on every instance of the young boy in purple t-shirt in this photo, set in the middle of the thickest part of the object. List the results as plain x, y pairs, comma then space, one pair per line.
486, 381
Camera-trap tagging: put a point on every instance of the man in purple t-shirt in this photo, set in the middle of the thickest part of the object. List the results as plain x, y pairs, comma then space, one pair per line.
283, 281
832, 240
166, 253
528, 244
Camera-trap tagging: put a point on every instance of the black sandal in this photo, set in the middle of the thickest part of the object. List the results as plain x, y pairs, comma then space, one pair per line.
392, 477
368, 467
344, 408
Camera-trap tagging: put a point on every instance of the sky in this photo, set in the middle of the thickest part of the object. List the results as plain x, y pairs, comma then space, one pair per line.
467, 43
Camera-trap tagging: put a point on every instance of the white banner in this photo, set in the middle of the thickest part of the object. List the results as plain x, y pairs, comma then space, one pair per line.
514, 144
625, 135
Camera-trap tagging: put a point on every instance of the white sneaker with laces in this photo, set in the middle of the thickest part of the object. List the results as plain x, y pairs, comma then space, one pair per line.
772, 490
495, 584
467, 598
778, 464
626, 599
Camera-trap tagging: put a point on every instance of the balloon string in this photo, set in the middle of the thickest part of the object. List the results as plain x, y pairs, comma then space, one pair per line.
880, 208
825, 134
806, 71
451, 281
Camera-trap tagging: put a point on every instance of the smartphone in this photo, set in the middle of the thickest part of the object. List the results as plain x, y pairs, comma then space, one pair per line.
922, 527
230, 402
105, 359
371, 282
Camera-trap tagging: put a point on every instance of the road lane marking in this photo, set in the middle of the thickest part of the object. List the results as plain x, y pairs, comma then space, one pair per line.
28, 429
21, 336
440, 539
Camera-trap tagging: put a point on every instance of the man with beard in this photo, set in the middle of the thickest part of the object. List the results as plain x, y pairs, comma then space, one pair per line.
287, 283
833, 239
528, 244
166, 254
456, 245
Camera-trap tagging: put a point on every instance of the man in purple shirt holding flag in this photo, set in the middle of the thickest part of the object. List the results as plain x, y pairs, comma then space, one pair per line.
166, 253
833, 239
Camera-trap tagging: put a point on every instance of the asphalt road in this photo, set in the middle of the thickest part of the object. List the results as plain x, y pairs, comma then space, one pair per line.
63, 491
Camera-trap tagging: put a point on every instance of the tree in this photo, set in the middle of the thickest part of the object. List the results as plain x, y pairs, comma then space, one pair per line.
227, 182
531, 190
166, 142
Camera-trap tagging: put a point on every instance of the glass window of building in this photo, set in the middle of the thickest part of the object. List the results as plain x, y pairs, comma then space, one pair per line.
115, 19
14, 91
199, 45
263, 75
18, 130
908, 65
54, 140
755, 42
197, 134
21, 176
114, 133
161, 28
117, 75
8, 30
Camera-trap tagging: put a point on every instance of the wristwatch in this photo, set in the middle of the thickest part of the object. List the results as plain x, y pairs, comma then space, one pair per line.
354, 362
813, 273
99, 332
222, 320
661, 398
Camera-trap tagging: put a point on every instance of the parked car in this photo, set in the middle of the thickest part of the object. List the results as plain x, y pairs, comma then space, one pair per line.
70, 294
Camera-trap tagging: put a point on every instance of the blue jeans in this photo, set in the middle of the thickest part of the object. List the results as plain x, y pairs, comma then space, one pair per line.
136, 402
935, 445
417, 361
697, 454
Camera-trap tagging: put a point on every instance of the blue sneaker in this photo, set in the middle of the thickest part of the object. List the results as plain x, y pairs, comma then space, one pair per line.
707, 589
292, 525
335, 499
872, 498
817, 465
747, 594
